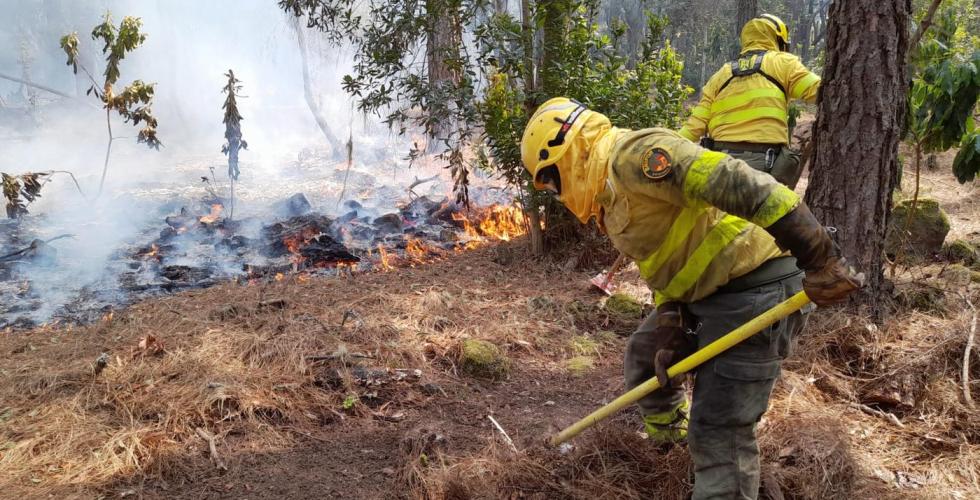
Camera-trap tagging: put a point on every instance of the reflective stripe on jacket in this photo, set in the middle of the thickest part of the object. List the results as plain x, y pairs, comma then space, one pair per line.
695, 229
752, 108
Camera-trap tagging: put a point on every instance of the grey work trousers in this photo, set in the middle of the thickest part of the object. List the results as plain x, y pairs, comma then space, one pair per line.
731, 391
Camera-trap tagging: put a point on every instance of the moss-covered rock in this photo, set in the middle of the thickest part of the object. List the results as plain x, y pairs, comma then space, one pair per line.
624, 305
961, 251
927, 230
923, 297
579, 365
483, 359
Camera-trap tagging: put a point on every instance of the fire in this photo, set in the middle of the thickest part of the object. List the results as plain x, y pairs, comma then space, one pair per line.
280, 277
214, 215
151, 253
385, 264
503, 223
494, 223
416, 250
297, 241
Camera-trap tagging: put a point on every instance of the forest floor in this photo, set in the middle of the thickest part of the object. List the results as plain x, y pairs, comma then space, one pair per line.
352, 387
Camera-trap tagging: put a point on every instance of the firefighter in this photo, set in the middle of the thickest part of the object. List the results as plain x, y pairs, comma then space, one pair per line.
709, 235
744, 106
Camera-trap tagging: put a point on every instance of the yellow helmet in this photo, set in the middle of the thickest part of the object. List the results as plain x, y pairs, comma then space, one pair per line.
549, 133
782, 32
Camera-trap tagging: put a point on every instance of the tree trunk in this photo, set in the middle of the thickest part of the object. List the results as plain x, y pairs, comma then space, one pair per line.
312, 101
745, 11
530, 87
444, 37
859, 125
554, 28
806, 26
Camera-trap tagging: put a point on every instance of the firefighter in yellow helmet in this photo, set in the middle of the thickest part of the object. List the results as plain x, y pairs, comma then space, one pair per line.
709, 235
744, 106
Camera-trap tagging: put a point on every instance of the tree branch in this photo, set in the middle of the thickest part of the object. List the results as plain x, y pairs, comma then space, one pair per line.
924, 25
966, 356
36, 85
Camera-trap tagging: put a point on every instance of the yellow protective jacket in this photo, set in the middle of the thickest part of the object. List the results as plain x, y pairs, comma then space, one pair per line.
691, 218
752, 108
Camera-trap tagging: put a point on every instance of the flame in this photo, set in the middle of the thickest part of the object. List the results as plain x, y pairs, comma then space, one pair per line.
467, 227
416, 250
385, 263
493, 223
214, 215
152, 252
503, 222
297, 241
280, 276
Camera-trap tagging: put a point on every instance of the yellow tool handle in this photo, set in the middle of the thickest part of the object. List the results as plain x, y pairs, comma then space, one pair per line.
753, 326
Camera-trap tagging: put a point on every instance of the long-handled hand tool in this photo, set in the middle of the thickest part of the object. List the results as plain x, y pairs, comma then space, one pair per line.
753, 326
603, 281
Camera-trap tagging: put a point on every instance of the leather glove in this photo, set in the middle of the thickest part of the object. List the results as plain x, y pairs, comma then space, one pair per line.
832, 283
671, 341
829, 280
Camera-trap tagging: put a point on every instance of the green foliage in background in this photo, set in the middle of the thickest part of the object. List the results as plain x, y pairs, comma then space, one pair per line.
944, 94
590, 68
134, 102
493, 87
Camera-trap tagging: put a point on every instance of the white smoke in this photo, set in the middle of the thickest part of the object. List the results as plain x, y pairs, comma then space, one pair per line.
190, 45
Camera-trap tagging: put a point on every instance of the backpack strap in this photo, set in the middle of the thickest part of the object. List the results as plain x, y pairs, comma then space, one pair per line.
738, 71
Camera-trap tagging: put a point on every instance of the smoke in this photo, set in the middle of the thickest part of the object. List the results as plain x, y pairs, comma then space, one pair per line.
190, 45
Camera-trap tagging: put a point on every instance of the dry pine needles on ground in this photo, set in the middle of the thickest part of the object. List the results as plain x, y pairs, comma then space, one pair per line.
225, 375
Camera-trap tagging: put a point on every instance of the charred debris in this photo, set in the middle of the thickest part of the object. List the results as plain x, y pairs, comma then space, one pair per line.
199, 246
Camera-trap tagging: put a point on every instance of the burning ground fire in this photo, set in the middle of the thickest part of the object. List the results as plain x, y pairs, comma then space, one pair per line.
200, 247
480, 227
496, 223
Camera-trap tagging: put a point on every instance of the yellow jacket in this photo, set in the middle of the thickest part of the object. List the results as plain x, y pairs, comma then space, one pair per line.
691, 218
752, 108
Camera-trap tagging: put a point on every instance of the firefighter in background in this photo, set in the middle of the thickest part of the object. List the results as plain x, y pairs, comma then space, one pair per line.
744, 106
709, 235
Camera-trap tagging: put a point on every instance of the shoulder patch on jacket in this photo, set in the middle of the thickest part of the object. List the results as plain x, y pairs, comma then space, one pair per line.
656, 164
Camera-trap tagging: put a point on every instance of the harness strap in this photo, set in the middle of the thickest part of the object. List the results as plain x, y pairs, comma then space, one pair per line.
756, 68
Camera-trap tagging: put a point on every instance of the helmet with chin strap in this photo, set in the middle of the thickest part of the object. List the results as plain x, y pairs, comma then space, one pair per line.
547, 137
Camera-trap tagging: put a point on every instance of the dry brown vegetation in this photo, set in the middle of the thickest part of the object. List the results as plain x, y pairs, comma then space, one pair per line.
309, 389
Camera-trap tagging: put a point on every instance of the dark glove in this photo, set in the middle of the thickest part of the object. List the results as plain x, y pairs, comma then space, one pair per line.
832, 283
829, 280
671, 341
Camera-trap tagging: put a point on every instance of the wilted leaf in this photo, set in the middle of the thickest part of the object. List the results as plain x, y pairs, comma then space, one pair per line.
149, 345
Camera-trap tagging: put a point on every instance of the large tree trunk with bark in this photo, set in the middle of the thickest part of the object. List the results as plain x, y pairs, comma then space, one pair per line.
859, 125
745, 11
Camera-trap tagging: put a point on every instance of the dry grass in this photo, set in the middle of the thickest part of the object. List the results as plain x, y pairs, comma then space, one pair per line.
609, 462
243, 369
242, 373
